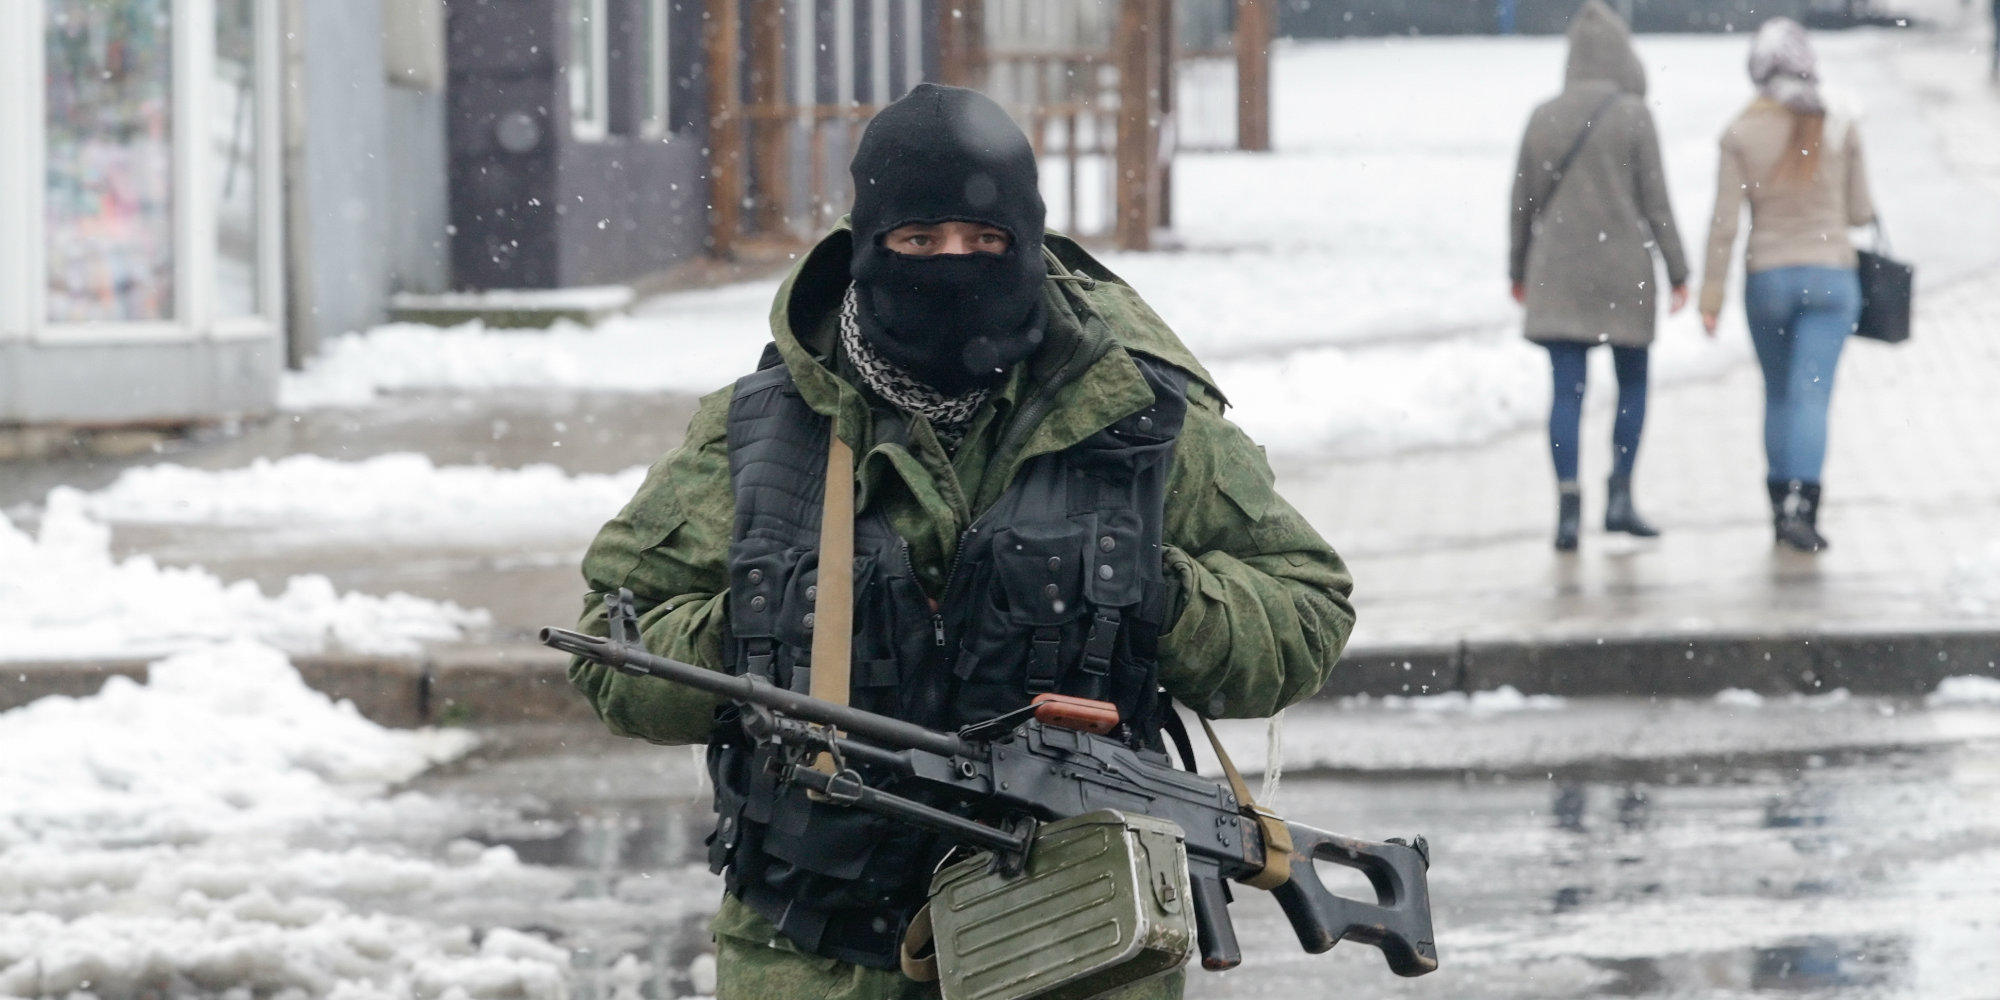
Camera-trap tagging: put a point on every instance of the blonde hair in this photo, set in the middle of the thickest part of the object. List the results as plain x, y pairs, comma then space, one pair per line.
1799, 163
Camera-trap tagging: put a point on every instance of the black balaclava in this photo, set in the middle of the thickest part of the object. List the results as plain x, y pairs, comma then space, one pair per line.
957, 321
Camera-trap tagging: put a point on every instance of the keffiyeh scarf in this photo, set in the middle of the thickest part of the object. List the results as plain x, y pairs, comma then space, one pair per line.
949, 416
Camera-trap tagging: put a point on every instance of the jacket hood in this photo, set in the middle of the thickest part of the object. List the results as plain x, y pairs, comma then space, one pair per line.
1600, 50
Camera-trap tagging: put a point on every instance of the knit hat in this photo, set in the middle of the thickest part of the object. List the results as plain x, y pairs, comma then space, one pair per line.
1783, 68
955, 321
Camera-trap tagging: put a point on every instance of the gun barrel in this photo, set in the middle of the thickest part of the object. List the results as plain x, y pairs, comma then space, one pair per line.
755, 691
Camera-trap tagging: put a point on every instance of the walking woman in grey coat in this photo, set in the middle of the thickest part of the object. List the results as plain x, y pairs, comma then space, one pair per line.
1590, 212
1801, 170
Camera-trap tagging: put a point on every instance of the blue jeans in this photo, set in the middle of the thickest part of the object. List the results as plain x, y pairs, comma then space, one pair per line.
1566, 359
1800, 317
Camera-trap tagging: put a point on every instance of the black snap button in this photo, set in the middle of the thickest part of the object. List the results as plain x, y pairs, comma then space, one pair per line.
1055, 563
809, 621
756, 576
812, 593
757, 603
1052, 591
1106, 544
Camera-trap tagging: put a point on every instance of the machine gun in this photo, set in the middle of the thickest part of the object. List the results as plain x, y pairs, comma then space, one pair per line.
1049, 761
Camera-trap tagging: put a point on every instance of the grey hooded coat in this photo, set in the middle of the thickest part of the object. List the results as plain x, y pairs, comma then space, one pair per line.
1585, 251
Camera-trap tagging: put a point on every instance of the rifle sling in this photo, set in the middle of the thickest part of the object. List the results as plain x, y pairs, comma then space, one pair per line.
1277, 836
833, 600
918, 955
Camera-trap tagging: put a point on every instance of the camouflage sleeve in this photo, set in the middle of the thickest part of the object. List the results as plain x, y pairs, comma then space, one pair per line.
1265, 599
670, 545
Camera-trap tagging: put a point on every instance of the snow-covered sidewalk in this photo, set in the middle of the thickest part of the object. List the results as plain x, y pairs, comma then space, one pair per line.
1347, 291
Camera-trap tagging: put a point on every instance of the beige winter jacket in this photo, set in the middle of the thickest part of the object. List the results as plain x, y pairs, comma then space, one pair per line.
1792, 224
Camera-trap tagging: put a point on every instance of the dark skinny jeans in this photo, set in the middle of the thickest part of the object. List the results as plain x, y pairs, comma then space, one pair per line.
1567, 361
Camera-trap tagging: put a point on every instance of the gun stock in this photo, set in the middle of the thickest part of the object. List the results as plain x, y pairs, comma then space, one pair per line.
1398, 922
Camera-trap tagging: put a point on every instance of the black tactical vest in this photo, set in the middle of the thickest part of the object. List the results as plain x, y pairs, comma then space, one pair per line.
1058, 587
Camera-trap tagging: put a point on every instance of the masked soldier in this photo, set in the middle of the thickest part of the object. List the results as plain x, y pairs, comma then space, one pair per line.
1047, 498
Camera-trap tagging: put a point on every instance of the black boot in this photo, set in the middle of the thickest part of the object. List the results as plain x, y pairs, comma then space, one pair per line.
1569, 517
1798, 517
1619, 515
1778, 489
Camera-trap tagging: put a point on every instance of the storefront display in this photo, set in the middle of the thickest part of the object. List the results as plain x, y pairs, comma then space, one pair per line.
108, 146
140, 195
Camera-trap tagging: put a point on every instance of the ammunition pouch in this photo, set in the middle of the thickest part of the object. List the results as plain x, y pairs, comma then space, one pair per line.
1102, 902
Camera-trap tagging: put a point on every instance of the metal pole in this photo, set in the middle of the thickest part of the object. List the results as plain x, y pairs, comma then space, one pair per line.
1132, 226
1253, 75
722, 45
301, 328
767, 80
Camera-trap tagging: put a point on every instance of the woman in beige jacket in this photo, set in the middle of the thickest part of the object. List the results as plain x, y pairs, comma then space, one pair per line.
1800, 168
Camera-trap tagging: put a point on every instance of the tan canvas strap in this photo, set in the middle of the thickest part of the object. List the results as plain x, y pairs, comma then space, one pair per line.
833, 597
918, 955
1277, 836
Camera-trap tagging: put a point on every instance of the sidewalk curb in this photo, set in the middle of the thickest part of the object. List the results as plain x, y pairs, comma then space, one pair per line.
1688, 665
455, 685
500, 684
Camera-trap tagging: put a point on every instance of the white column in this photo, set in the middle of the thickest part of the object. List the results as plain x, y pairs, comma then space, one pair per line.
21, 122
878, 52
913, 42
270, 84
193, 158
843, 52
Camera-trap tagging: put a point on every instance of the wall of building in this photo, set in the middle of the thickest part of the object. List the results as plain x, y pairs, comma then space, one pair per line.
532, 204
372, 172
635, 204
186, 382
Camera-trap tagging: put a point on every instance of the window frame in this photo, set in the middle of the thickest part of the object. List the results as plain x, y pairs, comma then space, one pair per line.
656, 76
23, 196
596, 125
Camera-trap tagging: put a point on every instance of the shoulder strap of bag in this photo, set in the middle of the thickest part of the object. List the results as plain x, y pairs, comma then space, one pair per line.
1562, 168
1881, 236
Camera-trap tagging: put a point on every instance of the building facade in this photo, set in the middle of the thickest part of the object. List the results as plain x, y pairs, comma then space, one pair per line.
142, 276
197, 191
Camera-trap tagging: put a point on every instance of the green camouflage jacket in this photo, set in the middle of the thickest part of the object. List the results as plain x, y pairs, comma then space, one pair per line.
1264, 600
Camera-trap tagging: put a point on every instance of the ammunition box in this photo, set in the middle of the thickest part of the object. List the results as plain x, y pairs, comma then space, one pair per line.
1102, 902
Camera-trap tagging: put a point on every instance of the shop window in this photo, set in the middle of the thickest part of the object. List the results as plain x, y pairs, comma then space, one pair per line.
656, 78
589, 73
108, 188
232, 127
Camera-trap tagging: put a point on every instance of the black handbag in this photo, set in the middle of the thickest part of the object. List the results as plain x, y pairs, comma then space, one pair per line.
1887, 286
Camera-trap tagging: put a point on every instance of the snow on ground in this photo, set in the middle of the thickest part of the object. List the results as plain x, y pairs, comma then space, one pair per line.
234, 838
1349, 289
399, 497
1965, 690
63, 597
689, 342
1506, 731
1974, 583
224, 739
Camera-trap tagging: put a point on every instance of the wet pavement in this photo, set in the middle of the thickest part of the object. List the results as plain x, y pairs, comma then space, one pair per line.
1825, 848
